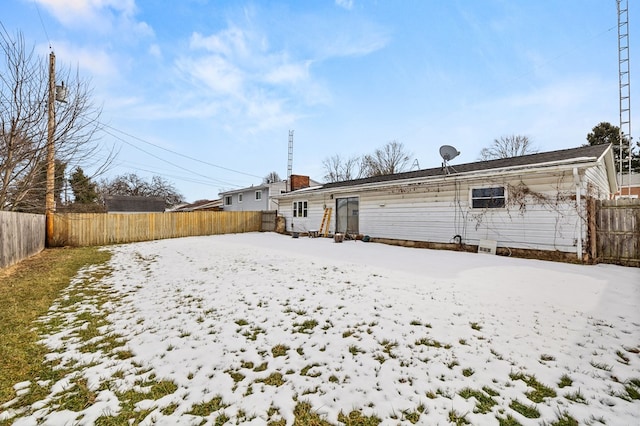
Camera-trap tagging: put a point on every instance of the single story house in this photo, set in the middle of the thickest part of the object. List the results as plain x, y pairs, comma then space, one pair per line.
262, 197
534, 202
629, 186
198, 206
133, 204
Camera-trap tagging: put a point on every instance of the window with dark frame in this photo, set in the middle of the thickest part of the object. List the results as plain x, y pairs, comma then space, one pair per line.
299, 209
228, 200
488, 198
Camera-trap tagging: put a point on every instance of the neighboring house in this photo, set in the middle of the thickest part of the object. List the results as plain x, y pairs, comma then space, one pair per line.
200, 205
133, 204
262, 197
531, 202
629, 186
253, 198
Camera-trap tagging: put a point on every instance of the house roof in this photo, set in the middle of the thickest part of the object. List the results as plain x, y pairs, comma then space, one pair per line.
591, 152
253, 188
198, 205
133, 204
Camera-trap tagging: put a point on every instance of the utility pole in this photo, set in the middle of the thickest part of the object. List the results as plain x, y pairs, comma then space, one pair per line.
56, 93
51, 127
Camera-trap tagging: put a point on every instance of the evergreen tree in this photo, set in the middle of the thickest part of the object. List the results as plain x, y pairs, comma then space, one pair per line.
607, 133
84, 191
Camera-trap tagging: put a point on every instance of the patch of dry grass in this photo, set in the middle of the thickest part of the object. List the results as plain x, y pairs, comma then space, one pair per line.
27, 290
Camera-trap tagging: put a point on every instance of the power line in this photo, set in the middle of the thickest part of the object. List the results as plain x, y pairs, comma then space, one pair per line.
178, 153
43, 26
167, 173
177, 177
159, 158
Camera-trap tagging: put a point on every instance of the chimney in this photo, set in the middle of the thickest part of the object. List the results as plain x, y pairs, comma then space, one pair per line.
299, 182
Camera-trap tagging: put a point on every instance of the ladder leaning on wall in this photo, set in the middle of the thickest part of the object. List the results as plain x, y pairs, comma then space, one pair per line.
326, 220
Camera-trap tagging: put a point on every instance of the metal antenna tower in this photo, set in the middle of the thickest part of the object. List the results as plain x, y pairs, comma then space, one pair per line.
624, 89
290, 162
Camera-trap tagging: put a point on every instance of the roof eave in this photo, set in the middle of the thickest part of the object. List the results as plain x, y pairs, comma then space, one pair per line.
567, 164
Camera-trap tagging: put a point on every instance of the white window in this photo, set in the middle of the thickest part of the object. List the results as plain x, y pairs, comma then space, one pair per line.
299, 209
239, 198
228, 200
488, 198
258, 195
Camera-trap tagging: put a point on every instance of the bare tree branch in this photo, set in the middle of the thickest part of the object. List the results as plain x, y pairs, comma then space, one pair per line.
23, 125
133, 185
338, 169
391, 158
508, 146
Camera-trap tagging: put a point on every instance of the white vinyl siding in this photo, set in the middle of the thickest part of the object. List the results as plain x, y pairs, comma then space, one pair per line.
539, 211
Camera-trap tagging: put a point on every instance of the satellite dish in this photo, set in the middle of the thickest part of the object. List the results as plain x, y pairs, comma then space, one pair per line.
448, 153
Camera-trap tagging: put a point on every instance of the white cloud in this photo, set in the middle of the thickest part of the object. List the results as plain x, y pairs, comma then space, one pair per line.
103, 16
238, 74
359, 41
155, 51
346, 4
95, 62
217, 73
230, 42
288, 73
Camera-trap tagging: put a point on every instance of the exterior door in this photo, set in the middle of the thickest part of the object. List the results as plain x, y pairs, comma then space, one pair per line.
347, 211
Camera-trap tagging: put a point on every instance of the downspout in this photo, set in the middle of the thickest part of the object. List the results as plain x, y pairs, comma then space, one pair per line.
576, 179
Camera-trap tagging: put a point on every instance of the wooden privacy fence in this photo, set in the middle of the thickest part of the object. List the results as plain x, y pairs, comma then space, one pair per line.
96, 229
21, 235
269, 220
618, 232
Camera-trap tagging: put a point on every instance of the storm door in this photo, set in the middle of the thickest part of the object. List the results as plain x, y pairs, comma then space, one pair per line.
347, 215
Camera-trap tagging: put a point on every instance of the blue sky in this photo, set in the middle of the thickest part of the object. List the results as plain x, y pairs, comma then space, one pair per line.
204, 93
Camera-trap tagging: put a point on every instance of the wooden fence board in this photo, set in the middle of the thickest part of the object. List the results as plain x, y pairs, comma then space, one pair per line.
269, 221
618, 232
21, 235
95, 229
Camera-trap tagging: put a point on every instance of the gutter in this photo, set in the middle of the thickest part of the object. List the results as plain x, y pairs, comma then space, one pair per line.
563, 165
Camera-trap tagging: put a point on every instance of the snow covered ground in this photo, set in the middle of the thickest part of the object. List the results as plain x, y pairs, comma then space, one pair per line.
257, 323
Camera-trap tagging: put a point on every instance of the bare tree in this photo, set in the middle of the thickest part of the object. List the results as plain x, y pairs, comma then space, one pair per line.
271, 178
133, 185
508, 146
24, 92
338, 169
391, 158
